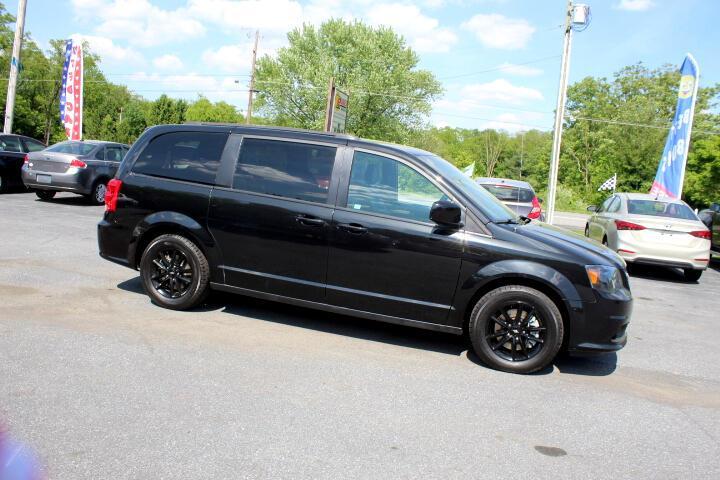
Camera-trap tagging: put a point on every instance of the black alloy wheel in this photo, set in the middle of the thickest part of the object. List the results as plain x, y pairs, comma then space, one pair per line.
45, 194
516, 329
172, 273
175, 272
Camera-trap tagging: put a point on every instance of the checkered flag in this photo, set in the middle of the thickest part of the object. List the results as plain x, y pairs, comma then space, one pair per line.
609, 184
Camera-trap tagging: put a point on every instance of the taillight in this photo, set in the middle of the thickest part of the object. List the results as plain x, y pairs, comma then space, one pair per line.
536, 210
27, 159
111, 194
77, 163
623, 225
702, 234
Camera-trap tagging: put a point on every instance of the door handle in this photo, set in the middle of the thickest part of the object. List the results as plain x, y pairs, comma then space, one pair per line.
355, 228
310, 221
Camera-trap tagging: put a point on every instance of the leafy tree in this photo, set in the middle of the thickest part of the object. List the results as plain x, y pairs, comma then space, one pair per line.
389, 96
203, 110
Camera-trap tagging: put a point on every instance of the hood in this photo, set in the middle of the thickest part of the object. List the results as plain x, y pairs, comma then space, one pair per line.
564, 243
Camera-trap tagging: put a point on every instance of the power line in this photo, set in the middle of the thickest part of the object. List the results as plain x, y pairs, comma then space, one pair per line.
501, 67
633, 124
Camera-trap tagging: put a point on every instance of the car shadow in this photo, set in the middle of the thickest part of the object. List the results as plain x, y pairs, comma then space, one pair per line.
69, 200
652, 272
391, 334
714, 262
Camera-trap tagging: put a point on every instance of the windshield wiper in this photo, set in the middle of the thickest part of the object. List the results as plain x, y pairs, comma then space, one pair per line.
509, 221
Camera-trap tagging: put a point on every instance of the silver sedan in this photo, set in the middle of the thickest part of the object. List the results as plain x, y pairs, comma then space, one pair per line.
644, 229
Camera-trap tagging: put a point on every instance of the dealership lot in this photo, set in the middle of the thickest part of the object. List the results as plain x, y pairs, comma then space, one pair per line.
105, 385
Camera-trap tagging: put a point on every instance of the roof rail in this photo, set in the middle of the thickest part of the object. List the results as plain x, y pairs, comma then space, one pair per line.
274, 128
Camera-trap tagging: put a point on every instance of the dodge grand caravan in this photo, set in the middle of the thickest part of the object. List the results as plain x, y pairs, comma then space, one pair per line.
350, 226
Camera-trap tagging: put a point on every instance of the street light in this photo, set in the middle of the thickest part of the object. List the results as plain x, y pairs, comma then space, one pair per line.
577, 18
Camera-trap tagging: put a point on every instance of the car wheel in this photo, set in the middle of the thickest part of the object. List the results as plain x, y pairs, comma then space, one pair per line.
97, 195
45, 194
692, 275
516, 329
175, 272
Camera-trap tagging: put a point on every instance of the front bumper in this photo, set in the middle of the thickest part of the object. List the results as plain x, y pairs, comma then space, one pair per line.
76, 180
600, 326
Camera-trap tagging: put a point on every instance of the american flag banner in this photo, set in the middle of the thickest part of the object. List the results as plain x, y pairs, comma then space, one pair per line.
71, 94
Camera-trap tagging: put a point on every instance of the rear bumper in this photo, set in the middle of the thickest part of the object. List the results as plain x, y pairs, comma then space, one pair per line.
600, 326
111, 244
695, 257
76, 180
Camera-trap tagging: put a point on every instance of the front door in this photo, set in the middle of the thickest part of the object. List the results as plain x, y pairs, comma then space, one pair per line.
272, 225
386, 256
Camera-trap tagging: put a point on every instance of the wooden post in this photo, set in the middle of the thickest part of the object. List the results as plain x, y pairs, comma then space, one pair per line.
248, 116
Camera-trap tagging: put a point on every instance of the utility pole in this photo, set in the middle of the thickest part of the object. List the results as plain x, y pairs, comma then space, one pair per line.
559, 114
14, 67
248, 117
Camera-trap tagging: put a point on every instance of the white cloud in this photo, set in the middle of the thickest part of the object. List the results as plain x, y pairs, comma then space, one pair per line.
139, 22
109, 51
168, 62
228, 58
423, 32
190, 85
520, 70
500, 90
264, 15
497, 31
636, 5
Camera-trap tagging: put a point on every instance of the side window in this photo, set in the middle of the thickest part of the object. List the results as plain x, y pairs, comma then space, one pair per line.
33, 146
114, 154
190, 156
100, 154
10, 144
382, 185
287, 169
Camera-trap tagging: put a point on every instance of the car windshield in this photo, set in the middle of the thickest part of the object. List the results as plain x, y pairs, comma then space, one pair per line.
76, 148
508, 193
491, 206
657, 208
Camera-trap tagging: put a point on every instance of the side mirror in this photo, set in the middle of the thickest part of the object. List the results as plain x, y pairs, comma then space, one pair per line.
446, 213
592, 208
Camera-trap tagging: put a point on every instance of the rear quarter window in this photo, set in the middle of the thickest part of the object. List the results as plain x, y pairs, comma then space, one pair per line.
189, 156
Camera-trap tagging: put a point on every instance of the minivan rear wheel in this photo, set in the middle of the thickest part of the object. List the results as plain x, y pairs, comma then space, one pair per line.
175, 272
516, 329
692, 275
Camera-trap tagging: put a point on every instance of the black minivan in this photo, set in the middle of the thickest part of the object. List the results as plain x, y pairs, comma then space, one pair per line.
357, 227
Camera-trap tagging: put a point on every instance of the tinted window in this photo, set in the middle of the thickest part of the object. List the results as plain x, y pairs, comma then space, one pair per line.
76, 148
615, 205
660, 209
605, 205
191, 156
10, 144
287, 169
114, 154
382, 185
100, 154
507, 193
33, 146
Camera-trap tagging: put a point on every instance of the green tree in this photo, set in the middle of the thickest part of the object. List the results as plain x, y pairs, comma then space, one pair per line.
203, 110
389, 95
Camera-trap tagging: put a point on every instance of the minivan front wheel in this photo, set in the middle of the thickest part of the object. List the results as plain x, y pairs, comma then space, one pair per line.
516, 329
175, 272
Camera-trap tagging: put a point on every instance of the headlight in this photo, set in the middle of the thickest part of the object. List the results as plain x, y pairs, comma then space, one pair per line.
604, 278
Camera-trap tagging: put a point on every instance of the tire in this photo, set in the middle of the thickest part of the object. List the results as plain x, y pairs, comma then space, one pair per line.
539, 336
97, 194
175, 272
692, 275
45, 194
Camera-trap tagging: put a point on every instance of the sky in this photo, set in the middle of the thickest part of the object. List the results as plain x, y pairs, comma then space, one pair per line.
498, 60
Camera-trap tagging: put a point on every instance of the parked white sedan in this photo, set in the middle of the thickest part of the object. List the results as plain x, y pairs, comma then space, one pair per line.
644, 229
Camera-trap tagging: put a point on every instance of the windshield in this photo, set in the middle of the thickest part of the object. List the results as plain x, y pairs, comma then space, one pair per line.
76, 148
507, 193
495, 210
660, 209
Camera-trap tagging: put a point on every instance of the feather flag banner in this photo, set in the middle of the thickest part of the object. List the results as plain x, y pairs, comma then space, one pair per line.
71, 94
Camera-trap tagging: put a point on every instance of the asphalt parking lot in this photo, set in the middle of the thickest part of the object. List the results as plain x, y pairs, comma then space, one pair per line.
102, 384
